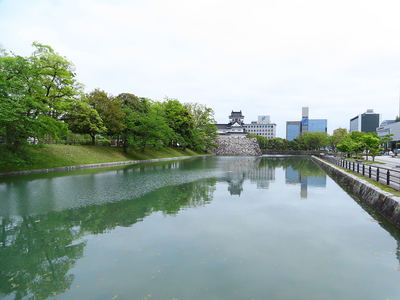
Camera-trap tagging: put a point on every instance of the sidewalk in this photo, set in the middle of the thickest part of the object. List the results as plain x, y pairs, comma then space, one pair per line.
389, 162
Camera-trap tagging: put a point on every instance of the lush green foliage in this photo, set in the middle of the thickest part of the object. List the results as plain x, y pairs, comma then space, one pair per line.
360, 142
35, 93
350, 143
306, 141
40, 100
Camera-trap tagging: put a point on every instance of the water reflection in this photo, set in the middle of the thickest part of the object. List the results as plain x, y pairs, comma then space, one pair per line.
46, 220
299, 170
37, 252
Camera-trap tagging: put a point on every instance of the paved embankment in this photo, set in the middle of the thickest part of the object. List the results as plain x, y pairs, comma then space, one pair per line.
384, 202
99, 165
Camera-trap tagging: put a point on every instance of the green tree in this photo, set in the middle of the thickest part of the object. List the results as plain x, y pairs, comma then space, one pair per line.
352, 143
145, 124
297, 144
181, 121
386, 139
371, 145
315, 140
263, 142
35, 92
130, 104
56, 76
278, 144
84, 119
336, 137
109, 109
18, 109
205, 128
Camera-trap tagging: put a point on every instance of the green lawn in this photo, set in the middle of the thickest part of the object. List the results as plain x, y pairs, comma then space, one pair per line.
52, 156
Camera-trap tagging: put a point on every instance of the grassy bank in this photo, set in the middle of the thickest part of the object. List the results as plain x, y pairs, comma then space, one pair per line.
52, 156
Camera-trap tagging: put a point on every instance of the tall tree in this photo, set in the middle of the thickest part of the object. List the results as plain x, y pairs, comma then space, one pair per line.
181, 121
84, 119
18, 109
371, 145
35, 93
351, 143
145, 124
56, 75
109, 109
204, 122
336, 137
315, 140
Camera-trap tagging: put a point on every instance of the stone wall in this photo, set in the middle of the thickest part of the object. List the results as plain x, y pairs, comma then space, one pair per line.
387, 204
237, 146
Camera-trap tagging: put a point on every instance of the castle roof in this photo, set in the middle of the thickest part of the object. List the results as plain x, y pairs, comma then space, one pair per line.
236, 114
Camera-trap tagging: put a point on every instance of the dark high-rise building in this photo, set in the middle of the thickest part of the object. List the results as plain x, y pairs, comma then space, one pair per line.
366, 122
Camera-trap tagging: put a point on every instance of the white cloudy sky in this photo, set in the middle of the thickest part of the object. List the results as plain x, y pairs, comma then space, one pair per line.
264, 57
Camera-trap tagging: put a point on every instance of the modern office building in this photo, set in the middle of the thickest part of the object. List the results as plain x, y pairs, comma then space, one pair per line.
295, 128
366, 122
263, 127
389, 127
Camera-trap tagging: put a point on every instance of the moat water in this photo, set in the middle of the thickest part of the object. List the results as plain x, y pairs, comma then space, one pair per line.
203, 228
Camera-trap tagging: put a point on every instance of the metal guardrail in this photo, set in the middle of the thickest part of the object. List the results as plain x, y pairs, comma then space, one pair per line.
385, 176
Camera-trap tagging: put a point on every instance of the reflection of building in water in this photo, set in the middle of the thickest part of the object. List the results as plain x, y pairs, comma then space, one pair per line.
240, 169
262, 176
295, 177
235, 182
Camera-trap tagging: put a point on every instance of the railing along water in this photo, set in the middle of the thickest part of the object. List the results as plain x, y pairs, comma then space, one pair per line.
385, 176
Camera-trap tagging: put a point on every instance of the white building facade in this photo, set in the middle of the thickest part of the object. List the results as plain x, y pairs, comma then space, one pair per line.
262, 127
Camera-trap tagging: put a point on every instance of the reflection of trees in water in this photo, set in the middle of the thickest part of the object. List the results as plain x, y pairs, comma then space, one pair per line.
302, 164
37, 252
31, 196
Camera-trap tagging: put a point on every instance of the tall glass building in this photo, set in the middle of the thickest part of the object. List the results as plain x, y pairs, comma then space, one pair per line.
294, 128
317, 125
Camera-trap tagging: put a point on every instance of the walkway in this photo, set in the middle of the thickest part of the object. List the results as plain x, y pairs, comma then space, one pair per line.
389, 162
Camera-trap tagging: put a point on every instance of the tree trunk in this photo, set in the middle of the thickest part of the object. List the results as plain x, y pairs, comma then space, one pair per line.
93, 136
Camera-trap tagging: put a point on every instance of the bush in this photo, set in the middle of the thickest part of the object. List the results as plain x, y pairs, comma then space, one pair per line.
104, 142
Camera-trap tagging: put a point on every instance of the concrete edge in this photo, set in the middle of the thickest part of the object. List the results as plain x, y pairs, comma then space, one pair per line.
387, 204
99, 165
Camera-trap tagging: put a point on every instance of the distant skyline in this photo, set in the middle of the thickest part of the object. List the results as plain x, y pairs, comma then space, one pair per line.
264, 57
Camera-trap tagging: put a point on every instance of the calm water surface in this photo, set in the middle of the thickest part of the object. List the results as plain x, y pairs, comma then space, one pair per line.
205, 228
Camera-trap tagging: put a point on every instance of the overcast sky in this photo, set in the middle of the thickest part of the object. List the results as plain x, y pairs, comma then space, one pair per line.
267, 57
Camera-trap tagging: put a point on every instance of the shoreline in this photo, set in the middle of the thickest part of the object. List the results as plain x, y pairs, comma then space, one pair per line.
98, 165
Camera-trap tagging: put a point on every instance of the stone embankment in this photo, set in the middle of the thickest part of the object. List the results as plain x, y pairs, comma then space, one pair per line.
387, 204
237, 146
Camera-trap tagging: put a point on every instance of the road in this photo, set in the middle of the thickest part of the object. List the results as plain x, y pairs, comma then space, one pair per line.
389, 161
